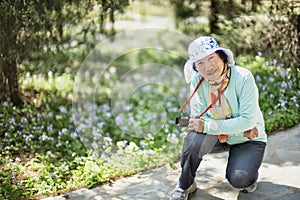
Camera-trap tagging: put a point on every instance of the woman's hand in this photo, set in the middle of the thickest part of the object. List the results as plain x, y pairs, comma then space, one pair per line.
251, 134
196, 125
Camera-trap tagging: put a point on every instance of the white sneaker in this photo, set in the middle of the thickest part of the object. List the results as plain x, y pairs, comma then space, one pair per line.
249, 189
180, 194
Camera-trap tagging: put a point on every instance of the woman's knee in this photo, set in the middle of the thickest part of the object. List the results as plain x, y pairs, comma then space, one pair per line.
241, 178
196, 145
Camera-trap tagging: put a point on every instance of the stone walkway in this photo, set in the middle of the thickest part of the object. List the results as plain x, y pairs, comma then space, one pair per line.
279, 178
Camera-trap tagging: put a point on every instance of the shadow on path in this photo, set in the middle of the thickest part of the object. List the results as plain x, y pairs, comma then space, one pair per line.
271, 191
201, 194
284, 146
265, 191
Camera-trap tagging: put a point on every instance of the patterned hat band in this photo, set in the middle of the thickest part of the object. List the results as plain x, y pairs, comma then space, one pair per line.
204, 46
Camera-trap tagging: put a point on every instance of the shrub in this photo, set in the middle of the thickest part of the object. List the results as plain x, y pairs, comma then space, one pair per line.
279, 91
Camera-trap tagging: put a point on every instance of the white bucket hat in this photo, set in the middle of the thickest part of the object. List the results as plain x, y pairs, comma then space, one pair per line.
200, 48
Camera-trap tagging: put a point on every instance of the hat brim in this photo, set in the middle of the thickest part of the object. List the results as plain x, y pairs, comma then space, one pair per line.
188, 71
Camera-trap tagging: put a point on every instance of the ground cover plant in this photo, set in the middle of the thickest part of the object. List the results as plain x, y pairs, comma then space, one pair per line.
42, 154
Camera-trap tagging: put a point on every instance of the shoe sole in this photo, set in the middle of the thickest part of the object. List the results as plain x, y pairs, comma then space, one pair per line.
190, 190
250, 189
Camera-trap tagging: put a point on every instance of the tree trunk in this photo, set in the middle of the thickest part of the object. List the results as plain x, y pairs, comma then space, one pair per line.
101, 22
112, 21
9, 82
213, 18
298, 28
255, 4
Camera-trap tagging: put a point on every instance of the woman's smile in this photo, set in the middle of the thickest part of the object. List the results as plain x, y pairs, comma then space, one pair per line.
211, 73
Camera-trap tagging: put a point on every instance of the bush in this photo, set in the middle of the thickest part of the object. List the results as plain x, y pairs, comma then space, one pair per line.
279, 91
243, 34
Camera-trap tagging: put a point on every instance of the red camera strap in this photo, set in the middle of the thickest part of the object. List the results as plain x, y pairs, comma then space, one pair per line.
189, 99
208, 107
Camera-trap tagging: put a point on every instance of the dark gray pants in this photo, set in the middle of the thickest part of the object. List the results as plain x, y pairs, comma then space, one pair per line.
243, 162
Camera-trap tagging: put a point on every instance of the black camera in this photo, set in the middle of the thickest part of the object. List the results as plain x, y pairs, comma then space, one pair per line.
183, 120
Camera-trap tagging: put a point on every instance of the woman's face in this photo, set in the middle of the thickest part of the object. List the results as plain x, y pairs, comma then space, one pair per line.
210, 67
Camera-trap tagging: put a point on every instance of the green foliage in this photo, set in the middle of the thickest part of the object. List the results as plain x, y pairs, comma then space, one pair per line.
271, 27
31, 28
271, 31
150, 8
279, 91
195, 27
27, 25
191, 17
185, 9
282, 34
243, 34
8, 176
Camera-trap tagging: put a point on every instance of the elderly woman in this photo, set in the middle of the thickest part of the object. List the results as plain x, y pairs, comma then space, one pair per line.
225, 117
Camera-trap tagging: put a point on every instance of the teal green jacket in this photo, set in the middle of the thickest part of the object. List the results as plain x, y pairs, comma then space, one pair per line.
242, 97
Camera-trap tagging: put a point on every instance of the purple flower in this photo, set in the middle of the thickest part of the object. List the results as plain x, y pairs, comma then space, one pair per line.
50, 128
143, 144
282, 103
27, 138
63, 110
24, 120
258, 79
271, 62
64, 131
74, 134
58, 143
95, 145
14, 176
290, 85
284, 84
45, 138
149, 137
294, 99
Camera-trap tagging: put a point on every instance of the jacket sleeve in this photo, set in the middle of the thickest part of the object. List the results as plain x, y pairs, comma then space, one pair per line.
248, 106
